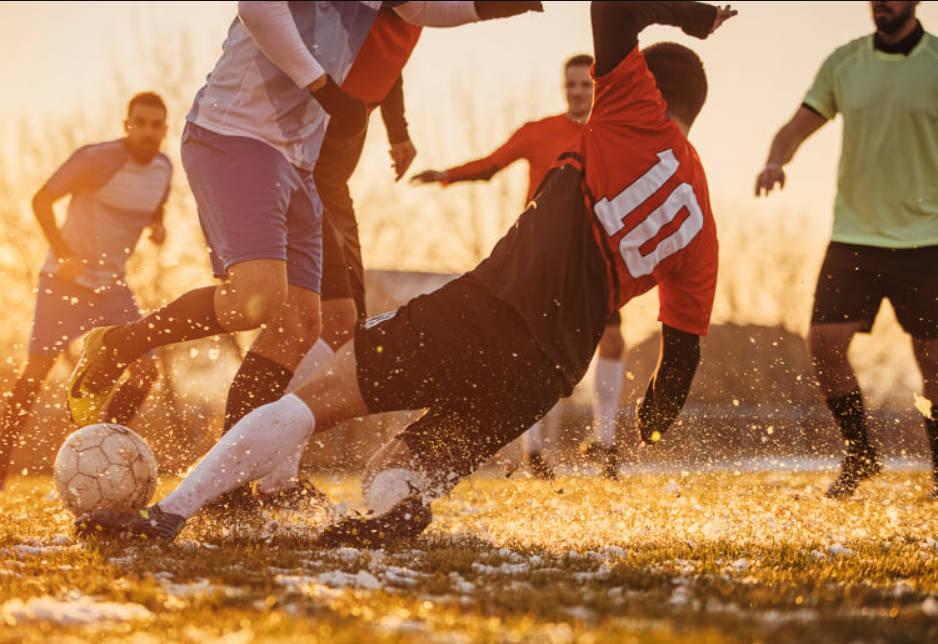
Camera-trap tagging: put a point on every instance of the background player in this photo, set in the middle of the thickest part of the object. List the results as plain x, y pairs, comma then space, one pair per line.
539, 143
885, 238
117, 189
491, 352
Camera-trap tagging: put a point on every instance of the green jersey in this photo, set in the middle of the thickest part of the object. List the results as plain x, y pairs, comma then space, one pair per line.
887, 185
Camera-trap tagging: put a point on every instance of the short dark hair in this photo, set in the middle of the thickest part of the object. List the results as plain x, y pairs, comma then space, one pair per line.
147, 98
580, 60
679, 74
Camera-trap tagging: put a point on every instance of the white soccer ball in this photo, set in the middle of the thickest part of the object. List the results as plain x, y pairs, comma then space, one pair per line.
105, 467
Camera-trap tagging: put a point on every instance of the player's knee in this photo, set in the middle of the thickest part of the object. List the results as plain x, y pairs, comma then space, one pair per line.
250, 298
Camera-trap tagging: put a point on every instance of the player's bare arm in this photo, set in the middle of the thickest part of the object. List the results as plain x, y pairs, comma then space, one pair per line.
70, 266
788, 139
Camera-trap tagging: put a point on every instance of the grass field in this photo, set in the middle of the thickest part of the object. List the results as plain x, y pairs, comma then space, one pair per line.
687, 557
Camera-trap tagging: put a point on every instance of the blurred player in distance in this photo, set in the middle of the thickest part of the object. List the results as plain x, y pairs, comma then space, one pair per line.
117, 190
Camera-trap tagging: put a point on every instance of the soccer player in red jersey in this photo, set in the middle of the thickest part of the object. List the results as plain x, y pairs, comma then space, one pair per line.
623, 211
539, 143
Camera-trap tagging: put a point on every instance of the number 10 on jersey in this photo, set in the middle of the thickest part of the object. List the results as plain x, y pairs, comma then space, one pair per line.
613, 213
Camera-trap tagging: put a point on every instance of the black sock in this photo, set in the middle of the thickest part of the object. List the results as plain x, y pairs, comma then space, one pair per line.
259, 381
15, 414
188, 317
126, 403
931, 432
851, 417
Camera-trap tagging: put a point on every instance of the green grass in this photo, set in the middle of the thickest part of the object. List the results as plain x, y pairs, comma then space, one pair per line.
700, 557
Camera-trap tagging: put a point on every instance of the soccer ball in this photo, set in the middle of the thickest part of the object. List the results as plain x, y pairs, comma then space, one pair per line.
105, 467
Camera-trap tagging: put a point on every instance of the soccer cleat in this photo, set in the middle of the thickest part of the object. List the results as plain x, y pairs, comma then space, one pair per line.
539, 467
856, 468
148, 523
92, 380
405, 520
297, 497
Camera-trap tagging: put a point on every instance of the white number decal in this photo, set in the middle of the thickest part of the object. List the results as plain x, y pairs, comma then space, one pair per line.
612, 215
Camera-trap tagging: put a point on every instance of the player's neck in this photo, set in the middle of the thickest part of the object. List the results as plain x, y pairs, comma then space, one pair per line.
681, 125
579, 119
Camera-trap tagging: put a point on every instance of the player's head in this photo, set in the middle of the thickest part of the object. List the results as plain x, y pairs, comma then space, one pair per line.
891, 16
680, 76
145, 126
578, 85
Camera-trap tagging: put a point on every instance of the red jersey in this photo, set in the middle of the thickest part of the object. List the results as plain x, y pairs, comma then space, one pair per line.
537, 142
648, 194
382, 57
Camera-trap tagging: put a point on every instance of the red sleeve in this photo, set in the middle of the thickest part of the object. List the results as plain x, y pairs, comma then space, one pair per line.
516, 147
76, 173
686, 295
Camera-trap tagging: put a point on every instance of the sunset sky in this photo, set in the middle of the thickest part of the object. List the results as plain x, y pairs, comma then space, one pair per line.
54, 56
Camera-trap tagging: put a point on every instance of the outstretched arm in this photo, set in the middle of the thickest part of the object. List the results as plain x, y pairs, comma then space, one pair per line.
616, 25
481, 169
788, 139
670, 384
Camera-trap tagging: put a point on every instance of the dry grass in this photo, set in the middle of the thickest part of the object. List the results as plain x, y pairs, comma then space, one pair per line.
700, 557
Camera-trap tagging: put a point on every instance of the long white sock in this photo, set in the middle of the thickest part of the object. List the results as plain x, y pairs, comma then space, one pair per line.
532, 441
608, 388
287, 473
248, 451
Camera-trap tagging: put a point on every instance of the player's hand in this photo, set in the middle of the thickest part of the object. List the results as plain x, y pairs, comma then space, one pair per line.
771, 175
723, 14
402, 155
348, 114
429, 176
70, 267
157, 233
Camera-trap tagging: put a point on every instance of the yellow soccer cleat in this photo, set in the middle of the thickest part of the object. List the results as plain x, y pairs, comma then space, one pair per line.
85, 405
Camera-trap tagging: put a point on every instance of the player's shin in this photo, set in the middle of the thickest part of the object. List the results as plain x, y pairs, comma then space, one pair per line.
609, 375
252, 449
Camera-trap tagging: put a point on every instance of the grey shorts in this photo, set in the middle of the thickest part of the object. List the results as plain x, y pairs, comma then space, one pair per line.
65, 311
254, 204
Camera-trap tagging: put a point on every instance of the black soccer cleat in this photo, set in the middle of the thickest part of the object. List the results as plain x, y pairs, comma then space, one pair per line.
539, 467
856, 468
405, 520
148, 523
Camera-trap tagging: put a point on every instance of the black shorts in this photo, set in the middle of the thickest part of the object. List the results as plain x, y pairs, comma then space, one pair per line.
855, 279
343, 274
467, 358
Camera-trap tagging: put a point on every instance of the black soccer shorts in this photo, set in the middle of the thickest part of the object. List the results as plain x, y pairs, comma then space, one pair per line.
467, 358
854, 280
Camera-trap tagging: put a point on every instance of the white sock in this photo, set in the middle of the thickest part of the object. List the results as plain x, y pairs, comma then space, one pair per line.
532, 441
316, 357
287, 472
608, 388
248, 451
